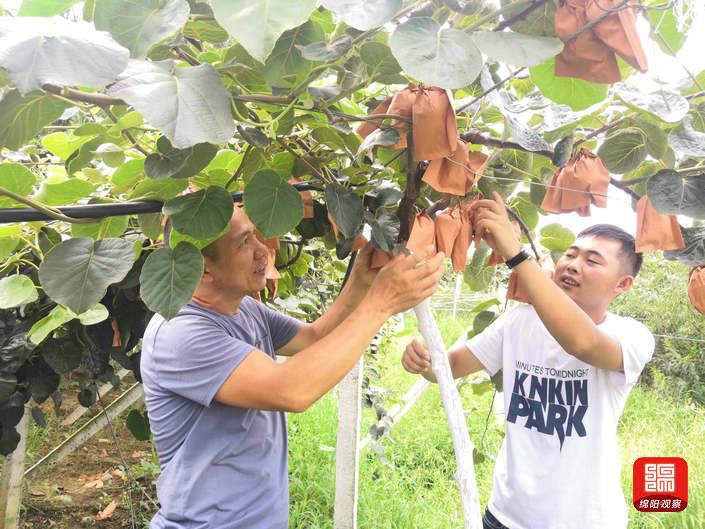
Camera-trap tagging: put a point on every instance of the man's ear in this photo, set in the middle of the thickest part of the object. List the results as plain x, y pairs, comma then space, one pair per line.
624, 284
207, 276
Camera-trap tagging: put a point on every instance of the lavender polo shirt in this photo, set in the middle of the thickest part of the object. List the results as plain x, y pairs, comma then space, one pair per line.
222, 467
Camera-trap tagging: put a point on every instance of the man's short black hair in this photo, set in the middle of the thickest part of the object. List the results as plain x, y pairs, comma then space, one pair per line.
631, 259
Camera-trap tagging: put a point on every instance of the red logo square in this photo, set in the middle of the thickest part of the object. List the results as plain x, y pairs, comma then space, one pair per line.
660, 484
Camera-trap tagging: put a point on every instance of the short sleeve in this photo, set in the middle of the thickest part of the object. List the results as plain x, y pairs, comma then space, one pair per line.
282, 327
637, 344
487, 346
195, 356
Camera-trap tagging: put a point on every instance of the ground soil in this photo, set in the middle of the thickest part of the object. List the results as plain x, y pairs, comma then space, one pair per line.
73, 493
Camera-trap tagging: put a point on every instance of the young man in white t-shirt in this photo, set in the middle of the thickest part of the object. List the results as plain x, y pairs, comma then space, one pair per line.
568, 366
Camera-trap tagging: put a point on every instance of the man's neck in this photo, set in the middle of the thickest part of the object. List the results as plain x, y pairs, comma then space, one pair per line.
218, 302
596, 314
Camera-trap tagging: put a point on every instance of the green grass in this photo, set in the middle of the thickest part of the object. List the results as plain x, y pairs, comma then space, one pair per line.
416, 488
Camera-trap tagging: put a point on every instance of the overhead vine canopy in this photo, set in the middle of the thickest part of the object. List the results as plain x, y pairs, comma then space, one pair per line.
185, 102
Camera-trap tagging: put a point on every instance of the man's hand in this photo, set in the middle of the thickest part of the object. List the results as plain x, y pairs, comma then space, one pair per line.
404, 282
492, 224
416, 358
362, 275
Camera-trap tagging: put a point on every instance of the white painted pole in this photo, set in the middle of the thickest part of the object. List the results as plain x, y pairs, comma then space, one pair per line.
465, 471
347, 453
12, 479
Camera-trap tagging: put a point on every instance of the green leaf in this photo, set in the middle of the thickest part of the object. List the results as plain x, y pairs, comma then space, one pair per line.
16, 291
363, 14
444, 57
285, 66
57, 192
482, 320
52, 321
385, 230
84, 155
656, 138
539, 22
179, 163
205, 30
128, 173
139, 25
575, 93
61, 355
283, 164
623, 151
517, 48
44, 8
37, 50
330, 137
62, 144
254, 136
8, 382
108, 227
526, 209
669, 106
273, 205
90, 129
151, 225
38, 416
161, 190
326, 51
111, 154
345, 207
202, 214
16, 178
77, 272
127, 121
176, 237
385, 137
7, 246
188, 105
138, 424
694, 252
379, 60
21, 118
87, 396
526, 136
94, 315
258, 24
665, 24
556, 238
169, 278
9, 439
675, 194
687, 141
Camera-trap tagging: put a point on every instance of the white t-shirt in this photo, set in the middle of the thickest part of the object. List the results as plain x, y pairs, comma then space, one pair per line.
559, 465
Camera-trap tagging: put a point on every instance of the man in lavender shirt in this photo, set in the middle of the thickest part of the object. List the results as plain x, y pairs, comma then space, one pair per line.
217, 398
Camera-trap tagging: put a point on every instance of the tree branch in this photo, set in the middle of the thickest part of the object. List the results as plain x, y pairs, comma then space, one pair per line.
411, 193
596, 132
42, 208
519, 16
474, 136
624, 187
101, 100
524, 229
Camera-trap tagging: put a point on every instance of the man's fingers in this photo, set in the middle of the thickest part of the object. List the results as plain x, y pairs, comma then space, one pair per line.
487, 204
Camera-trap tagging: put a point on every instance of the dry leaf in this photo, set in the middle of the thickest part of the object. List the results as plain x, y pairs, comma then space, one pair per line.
107, 513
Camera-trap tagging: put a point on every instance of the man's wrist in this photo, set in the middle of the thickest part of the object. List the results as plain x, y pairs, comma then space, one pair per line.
519, 257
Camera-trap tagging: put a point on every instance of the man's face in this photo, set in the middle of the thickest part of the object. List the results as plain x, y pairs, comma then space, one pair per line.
592, 273
239, 269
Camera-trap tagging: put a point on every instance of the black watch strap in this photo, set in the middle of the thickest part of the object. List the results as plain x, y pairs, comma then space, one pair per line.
519, 258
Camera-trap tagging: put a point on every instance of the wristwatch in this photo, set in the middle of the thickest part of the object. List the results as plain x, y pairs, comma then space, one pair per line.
519, 258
